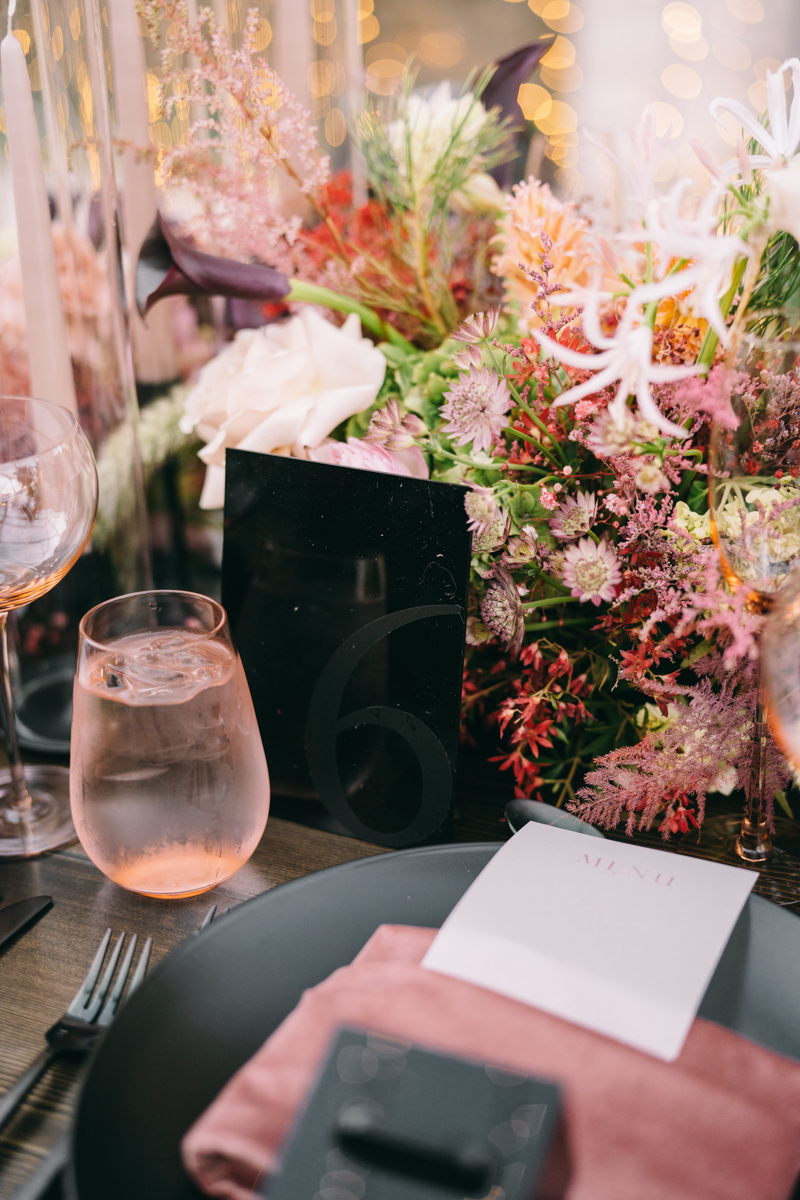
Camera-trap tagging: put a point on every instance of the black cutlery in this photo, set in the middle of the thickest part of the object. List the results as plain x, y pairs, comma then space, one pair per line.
85, 1020
15, 917
39, 1183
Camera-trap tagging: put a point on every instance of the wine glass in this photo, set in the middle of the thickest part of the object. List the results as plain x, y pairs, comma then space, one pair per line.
48, 501
170, 789
754, 497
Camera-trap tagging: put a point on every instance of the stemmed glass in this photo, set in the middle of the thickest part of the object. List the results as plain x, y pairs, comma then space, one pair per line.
48, 500
754, 496
780, 669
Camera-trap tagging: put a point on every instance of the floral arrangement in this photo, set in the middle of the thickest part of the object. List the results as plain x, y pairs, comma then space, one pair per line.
567, 379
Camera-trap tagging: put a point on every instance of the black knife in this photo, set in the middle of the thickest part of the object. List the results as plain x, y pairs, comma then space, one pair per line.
16, 916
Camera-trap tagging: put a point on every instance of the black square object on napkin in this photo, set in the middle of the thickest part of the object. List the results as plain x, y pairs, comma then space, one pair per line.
392, 1122
347, 594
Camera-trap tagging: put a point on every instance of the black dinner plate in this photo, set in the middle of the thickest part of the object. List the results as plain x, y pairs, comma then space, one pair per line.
209, 1005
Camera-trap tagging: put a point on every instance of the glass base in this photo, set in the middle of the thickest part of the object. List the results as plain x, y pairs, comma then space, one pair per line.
47, 825
779, 870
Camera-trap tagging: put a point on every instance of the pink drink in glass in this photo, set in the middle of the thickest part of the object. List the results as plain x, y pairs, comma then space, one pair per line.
170, 790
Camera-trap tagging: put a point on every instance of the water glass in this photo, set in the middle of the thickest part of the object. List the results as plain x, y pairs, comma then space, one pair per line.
169, 784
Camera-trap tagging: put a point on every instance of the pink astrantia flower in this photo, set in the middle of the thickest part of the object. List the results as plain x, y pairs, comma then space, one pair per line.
476, 408
502, 610
482, 510
591, 571
575, 516
391, 428
477, 327
357, 453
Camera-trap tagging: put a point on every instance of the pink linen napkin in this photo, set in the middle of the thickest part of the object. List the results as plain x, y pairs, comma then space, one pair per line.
720, 1123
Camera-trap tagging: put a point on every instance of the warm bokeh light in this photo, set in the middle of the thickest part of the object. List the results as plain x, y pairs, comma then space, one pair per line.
667, 118
681, 81
264, 34
368, 28
562, 16
749, 11
535, 101
335, 127
693, 51
562, 118
682, 22
568, 80
440, 49
386, 68
560, 55
321, 77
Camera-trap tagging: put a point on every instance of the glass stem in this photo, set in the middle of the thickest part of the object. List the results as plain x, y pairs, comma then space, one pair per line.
754, 843
22, 800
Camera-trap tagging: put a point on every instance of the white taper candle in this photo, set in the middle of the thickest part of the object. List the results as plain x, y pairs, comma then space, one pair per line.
48, 350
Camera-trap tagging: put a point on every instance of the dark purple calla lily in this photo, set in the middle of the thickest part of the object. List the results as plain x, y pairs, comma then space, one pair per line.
170, 266
502, 90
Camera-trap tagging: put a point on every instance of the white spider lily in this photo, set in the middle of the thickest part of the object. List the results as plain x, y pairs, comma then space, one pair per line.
782, 140
627, 357
711, 254
647, 147
783, 189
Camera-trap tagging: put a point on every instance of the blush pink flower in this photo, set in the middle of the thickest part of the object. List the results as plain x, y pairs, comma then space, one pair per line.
482, 510
548, 499
502, 610
575, 517
391, 428
478, 327
360, 454
591, 571
476, 408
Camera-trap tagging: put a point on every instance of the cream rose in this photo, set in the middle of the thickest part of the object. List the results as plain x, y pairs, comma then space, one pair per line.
281, 389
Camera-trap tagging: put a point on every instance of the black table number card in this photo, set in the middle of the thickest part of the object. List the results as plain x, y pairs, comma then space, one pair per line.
347, 594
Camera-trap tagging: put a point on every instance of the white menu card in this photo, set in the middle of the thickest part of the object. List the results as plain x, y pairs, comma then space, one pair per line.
616, 937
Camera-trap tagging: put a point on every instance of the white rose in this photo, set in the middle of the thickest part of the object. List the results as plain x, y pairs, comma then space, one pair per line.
281, 389
783, 189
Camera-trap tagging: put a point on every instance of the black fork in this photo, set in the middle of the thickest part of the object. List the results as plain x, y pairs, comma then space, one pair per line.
39, 1183
85, 1019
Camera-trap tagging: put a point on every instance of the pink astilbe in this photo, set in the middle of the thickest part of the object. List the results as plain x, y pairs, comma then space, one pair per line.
676, 766
712, 395
711, 608
244, 128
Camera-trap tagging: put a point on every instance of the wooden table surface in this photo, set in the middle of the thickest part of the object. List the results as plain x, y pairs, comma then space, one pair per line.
43, 968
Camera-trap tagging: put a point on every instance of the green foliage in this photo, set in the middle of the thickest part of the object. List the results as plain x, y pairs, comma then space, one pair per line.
778, 284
